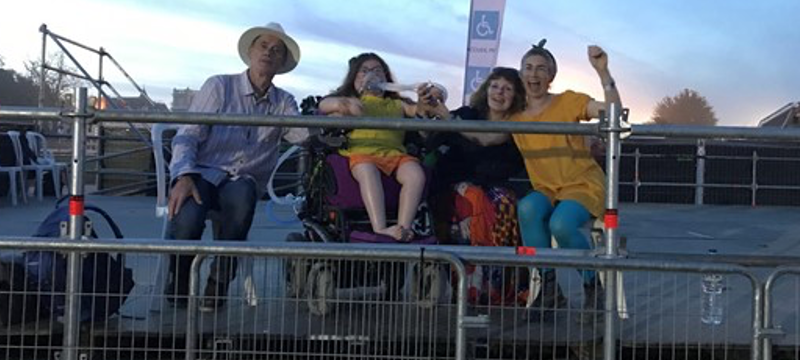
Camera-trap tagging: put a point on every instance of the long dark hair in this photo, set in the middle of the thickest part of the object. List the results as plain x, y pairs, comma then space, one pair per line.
479, 99
348, 87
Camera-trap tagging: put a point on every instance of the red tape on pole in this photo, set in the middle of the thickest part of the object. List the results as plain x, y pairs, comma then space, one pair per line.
526, 250
611, 219
76, 205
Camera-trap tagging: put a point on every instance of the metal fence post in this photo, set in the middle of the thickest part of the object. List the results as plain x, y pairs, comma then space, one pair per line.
768, 332
191, 308
611, 222
754, 183
700, 172
637, 182
76, 224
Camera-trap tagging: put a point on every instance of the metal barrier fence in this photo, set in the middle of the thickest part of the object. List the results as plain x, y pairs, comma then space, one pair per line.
782, 314
710, 172
611, 127
328, 315
346, 306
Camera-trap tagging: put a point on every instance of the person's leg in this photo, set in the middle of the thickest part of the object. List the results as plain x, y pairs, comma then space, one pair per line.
369, 182
568, 217
187, 224
565, 225
237, 203
533, 212
412, 180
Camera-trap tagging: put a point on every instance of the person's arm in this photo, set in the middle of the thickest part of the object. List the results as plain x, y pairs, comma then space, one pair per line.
480, 138
184, 146
599, 60
294, 135
488, 139
341, 106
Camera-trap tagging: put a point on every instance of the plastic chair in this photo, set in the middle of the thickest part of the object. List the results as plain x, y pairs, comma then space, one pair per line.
33, 166
44, 157
162, 210
14, 172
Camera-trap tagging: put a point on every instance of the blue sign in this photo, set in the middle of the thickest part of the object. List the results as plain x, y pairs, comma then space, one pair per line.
475, 77
484, 25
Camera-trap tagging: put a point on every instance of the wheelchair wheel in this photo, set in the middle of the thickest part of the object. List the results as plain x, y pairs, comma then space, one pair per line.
296, 277
320, 289
426, 285
423, 222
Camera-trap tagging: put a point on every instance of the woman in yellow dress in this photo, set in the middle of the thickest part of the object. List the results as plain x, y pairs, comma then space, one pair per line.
569, 186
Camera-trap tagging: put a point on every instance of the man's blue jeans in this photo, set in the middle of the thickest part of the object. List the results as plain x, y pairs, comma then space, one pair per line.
233, 203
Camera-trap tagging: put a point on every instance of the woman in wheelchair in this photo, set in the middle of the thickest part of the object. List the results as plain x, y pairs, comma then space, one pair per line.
372, 152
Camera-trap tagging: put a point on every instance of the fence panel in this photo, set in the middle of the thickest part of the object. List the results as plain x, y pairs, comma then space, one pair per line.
783, 302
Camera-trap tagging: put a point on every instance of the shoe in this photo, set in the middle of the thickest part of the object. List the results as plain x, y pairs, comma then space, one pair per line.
551, 296
593, 303
550, 299
177, 296
214, 296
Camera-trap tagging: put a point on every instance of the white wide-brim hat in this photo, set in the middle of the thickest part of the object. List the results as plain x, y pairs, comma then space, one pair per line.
274, 29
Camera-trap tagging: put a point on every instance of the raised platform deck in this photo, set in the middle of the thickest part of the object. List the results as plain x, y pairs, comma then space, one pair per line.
663, 308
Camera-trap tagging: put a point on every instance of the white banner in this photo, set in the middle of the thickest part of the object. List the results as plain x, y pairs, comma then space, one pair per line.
483, 42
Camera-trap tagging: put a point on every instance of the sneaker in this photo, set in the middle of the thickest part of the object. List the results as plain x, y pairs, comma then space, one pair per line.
593, 303
176, 297
214, 296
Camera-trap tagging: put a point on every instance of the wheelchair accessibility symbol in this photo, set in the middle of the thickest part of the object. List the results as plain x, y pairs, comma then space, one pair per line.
477, 75
483, 28
485, 25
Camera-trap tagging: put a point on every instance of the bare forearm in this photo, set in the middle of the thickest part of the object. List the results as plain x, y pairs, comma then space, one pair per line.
487, 139
610, 91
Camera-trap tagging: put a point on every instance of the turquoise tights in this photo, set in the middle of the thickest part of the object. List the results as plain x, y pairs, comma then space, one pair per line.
539, 219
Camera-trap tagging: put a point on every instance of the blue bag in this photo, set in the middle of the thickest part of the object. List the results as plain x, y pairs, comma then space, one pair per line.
32, 284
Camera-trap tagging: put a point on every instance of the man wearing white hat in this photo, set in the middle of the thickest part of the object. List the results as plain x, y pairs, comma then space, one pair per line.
225, 168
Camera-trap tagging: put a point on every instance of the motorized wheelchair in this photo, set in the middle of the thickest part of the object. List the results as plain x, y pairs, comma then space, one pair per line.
333, 211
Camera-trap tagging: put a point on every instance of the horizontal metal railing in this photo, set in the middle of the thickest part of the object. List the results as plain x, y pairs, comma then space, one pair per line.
455, 256
611, 129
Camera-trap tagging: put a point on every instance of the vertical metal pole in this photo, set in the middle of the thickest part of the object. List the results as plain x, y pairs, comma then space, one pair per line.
302, 168
754, 184
100, 148
191, 308
766, 353
700, 172
758, 321
43, 29
461, 312
76, 223
636, 180
611, 222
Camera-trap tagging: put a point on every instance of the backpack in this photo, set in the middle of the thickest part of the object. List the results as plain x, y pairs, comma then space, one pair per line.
32, 283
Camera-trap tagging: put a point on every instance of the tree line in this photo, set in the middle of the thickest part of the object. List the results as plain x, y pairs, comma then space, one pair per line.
686, 108
22, 89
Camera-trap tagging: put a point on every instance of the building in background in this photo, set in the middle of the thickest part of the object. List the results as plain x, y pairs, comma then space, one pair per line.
182, 98
787, 116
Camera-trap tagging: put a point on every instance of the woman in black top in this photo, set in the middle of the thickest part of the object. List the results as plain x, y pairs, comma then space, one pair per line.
471, 161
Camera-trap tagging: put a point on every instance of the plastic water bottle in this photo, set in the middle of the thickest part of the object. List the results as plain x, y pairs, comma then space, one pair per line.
711, 312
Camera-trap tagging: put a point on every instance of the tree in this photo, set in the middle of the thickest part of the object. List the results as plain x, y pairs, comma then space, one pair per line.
686, 108
16, 89
56, 83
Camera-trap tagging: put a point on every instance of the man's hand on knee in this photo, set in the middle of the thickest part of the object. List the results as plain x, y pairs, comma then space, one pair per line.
183, 189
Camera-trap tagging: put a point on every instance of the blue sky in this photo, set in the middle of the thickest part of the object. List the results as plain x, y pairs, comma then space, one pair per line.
740, 54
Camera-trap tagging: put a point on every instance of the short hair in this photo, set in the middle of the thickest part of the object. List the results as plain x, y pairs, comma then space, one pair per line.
538, 49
